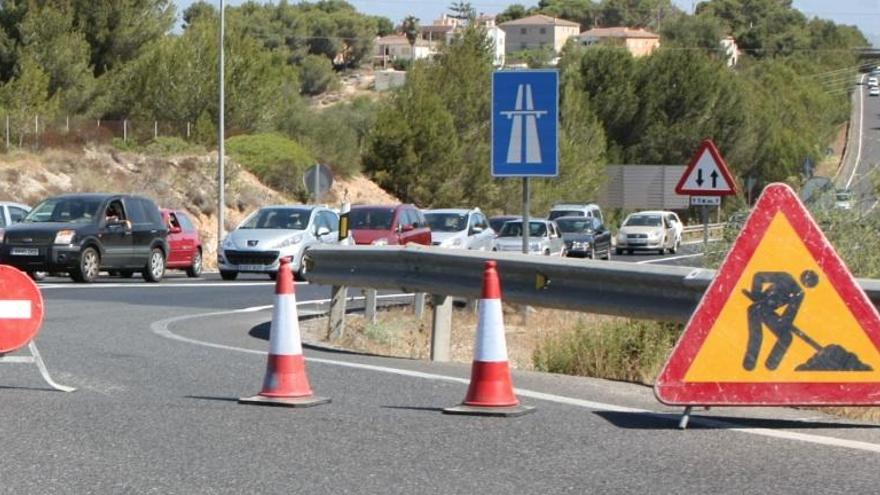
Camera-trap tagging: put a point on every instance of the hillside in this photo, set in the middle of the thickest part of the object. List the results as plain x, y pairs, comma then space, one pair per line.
187, 182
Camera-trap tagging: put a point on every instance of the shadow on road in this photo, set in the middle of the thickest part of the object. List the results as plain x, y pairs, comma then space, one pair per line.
217, 399
657, 421
415, 408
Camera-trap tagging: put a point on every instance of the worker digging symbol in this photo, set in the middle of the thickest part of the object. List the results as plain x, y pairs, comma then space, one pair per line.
775, 291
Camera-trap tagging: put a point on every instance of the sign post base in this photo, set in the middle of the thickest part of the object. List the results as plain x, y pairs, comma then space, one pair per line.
35, 358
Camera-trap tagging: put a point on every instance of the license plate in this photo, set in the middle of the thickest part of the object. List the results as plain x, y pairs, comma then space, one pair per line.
25, 252
637, 241
252, 268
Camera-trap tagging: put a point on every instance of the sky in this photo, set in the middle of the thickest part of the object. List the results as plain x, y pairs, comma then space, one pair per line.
863, 13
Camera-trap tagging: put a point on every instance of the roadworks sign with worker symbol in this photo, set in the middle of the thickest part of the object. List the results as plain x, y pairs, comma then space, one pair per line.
783, 323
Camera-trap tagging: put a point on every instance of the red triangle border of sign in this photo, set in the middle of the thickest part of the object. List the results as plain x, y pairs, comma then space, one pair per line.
670, 387
709, 145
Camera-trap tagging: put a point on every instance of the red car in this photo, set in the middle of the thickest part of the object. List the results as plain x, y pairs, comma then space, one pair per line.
184, 243
389, 225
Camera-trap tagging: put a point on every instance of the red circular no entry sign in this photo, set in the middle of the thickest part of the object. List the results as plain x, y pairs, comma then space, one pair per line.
21, 309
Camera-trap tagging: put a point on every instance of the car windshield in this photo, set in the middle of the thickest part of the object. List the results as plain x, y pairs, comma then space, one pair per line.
497, 223
65, 210
446, 222
565, 213
643, 221
574, 226
514, 229
371, 218
278, 218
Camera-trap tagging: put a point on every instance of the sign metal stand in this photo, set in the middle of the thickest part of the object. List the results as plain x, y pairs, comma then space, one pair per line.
35, 358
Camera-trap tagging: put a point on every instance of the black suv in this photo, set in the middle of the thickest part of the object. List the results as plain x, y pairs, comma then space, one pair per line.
82, 234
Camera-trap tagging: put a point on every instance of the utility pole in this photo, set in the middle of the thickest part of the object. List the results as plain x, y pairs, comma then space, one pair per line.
221, 148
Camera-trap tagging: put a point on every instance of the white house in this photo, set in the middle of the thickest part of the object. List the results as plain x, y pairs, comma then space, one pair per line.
538, 32
730, 50
396, 47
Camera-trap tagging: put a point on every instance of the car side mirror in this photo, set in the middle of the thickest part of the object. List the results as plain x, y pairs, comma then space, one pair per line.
476, 229
175, 230
322, 231
407, 228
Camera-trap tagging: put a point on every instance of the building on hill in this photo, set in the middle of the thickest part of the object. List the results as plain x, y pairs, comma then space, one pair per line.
639, 42
538, 32
730, 50
396, 47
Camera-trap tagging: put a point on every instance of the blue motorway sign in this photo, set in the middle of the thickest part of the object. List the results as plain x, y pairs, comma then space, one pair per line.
525, 121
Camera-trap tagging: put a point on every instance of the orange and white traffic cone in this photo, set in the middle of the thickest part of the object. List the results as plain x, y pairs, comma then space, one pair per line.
491, 390
286, 382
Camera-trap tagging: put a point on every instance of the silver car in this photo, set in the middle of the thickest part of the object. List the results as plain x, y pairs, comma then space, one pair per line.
544, 238
460, 228
275, 232
649, 231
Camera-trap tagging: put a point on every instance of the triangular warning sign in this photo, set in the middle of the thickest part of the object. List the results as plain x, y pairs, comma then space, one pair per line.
783, 323
707, 174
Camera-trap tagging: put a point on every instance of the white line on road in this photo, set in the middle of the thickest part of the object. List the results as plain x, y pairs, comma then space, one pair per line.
861, 131
161, 329
15, 309
671, 258
158, 286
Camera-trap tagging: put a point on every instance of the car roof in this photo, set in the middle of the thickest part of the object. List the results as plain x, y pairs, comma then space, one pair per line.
560, 206
653, 212
459, 211
573, 217
13, 203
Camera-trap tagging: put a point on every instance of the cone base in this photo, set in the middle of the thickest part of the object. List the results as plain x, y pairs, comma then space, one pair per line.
508, 412
307, 401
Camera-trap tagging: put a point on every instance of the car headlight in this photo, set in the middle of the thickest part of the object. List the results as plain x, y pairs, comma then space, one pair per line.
290, 241
380, 242
621, 237
534, 246
653, 236
227, 243
64, 237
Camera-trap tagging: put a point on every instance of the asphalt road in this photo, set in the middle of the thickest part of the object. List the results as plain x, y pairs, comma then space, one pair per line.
159, 368
864, 156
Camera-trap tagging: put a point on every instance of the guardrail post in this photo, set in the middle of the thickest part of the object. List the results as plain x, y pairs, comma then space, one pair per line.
441, 328
419, 305
337, 311
370, 305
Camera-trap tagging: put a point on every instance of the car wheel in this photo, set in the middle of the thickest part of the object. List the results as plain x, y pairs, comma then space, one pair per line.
155, 268
273, 276
37, 276
546, 251
89, 266
228, 275
195, 270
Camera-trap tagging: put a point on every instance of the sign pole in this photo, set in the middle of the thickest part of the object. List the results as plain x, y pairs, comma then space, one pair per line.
317, 187
525, 202
705, 231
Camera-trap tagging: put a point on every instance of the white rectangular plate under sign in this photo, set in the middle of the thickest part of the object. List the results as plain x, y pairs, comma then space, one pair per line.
15, 310
705, 200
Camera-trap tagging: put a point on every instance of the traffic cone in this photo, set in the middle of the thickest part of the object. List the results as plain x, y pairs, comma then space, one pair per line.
286, 383
491, 390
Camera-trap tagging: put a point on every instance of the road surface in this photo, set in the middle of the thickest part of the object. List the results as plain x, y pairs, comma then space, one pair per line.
159, 369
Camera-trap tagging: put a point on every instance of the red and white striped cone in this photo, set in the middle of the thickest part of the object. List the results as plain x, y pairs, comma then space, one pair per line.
491, 389
286, 382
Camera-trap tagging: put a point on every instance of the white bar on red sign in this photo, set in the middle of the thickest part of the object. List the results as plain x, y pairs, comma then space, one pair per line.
15, 310
705, 200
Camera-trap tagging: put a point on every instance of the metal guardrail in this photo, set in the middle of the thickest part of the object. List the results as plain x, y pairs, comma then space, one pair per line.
693, 234
654, 292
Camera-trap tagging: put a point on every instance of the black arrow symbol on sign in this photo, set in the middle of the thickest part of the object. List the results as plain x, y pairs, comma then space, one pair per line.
700, 177
714, 179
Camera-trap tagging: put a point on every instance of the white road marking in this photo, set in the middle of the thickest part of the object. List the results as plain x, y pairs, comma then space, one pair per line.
159, 286
861, 131
15, 309
161, 329
671, 258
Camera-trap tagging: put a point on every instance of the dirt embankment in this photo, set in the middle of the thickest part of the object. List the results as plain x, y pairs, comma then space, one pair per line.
186, 182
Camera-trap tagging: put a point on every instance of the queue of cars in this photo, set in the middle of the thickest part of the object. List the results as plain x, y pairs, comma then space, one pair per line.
83, 235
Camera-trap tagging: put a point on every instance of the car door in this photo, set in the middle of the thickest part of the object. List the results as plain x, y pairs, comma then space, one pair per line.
601, 237
556, 242
486, 236
116, 236
15, 214
330, 220
181, 244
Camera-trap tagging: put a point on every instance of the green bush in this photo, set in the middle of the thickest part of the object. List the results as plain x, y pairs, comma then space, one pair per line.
631, 350
278, 161
123, 145
164, 146
316, 75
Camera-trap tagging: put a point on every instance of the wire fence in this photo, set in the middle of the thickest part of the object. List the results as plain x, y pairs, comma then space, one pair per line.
35, 133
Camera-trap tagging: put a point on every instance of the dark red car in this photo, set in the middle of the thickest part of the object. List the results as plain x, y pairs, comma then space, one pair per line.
184, 242
389, 225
